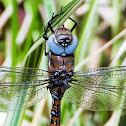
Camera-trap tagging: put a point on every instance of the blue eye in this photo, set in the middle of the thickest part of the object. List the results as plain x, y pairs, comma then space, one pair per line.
58, 49
72, 46
54, 46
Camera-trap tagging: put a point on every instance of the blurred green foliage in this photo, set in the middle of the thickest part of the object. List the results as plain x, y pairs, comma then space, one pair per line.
21, 24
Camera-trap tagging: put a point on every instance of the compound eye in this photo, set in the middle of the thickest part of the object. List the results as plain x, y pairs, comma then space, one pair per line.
63, 47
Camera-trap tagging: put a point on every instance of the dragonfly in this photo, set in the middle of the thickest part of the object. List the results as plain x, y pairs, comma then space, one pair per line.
95, 89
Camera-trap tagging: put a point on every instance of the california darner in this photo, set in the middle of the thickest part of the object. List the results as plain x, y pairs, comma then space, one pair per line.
94, 89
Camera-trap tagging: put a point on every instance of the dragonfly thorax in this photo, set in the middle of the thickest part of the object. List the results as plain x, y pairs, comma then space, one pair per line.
60, 79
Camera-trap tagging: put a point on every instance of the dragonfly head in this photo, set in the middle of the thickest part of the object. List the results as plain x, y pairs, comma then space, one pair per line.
62, 42
63, 36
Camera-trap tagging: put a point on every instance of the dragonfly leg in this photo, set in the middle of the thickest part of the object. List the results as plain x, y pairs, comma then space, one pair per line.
46, 38
49, 26
52, 19
75, 24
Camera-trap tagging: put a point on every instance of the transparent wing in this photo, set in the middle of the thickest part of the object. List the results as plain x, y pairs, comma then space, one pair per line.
21, 87
98, 89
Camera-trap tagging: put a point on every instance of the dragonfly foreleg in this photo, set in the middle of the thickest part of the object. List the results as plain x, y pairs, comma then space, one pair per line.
75, 24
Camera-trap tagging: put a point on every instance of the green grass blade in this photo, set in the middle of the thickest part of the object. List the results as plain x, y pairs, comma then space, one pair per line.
86, 32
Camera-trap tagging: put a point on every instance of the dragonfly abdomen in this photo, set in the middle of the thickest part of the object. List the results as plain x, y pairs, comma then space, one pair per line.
57, 94
55, 111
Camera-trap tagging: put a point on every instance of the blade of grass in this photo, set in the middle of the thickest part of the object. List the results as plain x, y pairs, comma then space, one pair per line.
14, 27
115, 118
116, 25
50, 7
120, 52
85, 34
5, 16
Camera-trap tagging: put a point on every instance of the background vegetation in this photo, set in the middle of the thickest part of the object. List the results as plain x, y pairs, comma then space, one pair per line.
101, 32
